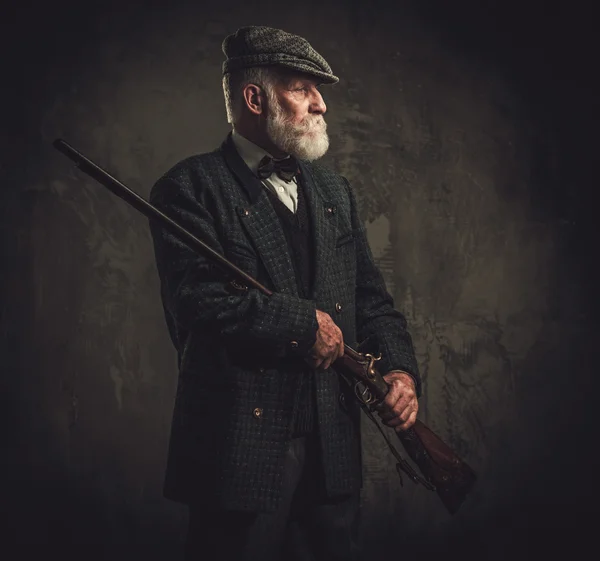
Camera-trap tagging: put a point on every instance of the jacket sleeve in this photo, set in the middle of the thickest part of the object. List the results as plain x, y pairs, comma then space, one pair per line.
376, 318
196, 293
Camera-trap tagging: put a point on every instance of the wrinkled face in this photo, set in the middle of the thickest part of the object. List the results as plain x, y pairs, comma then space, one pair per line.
295, 122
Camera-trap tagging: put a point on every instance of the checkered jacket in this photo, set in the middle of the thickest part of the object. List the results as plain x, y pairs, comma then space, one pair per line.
239, 352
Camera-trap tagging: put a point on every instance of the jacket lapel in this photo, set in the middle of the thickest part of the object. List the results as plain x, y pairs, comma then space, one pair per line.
323, 216
262, 224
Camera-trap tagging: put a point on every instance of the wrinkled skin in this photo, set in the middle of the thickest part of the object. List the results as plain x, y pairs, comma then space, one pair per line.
400, 408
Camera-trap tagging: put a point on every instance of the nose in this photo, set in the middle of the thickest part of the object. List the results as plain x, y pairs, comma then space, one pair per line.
317, 104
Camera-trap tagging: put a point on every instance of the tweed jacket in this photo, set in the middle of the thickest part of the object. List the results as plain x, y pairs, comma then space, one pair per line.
240, 353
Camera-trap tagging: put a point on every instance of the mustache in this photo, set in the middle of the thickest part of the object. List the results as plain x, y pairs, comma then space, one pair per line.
311, 123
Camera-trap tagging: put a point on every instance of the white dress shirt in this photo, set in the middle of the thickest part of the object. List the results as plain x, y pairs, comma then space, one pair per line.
286, 191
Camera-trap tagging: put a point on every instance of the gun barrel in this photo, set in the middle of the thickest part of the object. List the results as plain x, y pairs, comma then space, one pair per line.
151, 212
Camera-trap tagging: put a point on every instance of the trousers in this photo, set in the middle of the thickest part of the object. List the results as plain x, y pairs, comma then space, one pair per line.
306, 526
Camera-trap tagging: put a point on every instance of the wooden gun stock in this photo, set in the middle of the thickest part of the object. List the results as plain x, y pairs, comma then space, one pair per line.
442, 469
452, 477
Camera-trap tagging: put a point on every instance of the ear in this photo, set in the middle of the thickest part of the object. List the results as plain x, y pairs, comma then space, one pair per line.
254, 98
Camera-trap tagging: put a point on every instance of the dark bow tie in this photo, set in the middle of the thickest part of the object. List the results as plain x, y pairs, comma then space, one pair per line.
286, 168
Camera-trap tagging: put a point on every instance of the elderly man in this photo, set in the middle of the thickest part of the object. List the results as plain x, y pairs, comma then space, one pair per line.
265, 442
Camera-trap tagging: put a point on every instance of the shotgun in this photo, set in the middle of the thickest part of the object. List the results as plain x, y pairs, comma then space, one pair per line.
442, 470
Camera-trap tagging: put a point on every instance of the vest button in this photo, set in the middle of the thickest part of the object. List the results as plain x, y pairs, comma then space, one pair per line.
338, 307
257, 412
294, 344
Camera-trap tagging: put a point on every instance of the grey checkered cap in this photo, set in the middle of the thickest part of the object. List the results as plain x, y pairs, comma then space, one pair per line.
266, 46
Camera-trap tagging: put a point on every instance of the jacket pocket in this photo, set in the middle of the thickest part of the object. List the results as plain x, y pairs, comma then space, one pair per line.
344, 239
245, 260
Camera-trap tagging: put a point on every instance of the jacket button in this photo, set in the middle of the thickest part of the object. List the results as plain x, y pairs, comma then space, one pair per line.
294, 344
342, 399
338, 307
257, 412
244, 211
238, 286
261, 369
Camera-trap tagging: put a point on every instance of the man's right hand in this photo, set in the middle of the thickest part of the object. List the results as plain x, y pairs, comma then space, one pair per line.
329, 345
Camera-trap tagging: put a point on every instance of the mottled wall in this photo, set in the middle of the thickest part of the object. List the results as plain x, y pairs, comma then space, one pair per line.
463, 140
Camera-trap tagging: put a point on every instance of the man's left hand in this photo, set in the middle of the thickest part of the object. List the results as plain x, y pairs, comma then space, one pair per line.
400, 407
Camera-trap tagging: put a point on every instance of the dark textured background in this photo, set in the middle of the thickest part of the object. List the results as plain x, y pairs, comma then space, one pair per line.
468, 130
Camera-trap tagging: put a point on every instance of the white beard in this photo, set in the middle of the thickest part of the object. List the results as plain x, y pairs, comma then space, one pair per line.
307, 140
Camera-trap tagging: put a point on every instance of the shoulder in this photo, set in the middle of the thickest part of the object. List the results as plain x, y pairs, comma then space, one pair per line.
330, 183
194, 167
325, 176
324, 173
196, 172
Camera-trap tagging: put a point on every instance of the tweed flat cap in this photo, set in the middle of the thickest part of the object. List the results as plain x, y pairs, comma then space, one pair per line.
266, 46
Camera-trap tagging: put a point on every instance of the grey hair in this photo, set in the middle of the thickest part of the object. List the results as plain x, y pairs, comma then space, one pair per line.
235, 82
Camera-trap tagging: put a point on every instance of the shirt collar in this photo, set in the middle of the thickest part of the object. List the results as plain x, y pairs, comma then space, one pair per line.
250, 152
